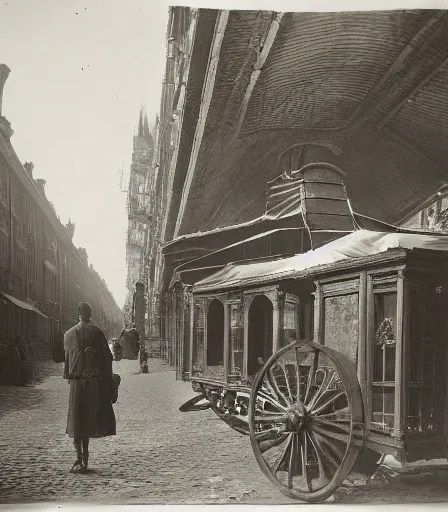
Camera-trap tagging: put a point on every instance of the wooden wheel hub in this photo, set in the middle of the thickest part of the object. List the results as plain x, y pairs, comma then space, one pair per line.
295, 419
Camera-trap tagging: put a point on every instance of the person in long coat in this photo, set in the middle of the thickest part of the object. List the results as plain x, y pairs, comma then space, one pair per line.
88, 368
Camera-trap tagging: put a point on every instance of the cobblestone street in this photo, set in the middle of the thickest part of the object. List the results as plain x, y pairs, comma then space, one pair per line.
158, 456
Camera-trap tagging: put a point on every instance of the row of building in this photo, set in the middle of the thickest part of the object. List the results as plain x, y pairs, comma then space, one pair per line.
43, 276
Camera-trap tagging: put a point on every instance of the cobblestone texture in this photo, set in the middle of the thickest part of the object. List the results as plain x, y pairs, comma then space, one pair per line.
159, 455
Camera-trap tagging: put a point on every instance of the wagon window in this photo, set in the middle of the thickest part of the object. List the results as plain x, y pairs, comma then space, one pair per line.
291, 322
236, 339
426, 385
215, 333
198, 347
383, 391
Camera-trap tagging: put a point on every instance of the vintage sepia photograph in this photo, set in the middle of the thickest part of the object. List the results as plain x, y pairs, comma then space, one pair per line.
223, 254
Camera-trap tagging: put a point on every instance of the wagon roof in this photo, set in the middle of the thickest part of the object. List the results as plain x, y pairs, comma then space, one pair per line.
359, 244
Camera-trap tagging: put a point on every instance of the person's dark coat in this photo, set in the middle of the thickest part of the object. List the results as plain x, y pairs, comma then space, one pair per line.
88, 367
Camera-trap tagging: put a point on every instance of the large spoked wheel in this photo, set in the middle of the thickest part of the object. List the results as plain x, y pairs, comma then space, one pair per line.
306, 420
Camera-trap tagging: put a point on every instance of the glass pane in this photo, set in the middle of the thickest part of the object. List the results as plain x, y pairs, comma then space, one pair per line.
388, 423
377, 417
289, 316
198, 347
378, 364
389, 400
385, 319
237, 362
237, 338
383, 400
415, 338
290, 326
389, 370
377, 400
236, 316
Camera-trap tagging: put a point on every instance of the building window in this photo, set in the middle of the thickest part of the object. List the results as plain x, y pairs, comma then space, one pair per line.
383, 385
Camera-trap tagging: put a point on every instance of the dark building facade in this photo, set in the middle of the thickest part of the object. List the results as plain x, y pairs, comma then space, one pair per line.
43, 276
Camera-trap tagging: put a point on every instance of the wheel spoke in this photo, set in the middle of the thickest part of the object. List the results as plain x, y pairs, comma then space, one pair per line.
323, 406
304, 459
268, 418
288, 386
283, 455
322, 479
334, 424
272, 401
331, 445
297, 365
345, 410
313, 368
273, 382
267, 434
323, 388
322, 451
272, 443
292, 459
330, 437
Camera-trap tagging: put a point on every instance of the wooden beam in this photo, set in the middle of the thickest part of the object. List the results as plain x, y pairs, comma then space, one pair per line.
207, 93
226, 347
261, 59
362, 339
400, 355
192, 335
370, 347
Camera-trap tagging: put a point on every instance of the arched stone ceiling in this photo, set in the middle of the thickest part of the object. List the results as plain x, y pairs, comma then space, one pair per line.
323, 65
371, 84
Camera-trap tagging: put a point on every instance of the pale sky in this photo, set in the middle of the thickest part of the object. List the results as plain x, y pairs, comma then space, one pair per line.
79, 73
80, 70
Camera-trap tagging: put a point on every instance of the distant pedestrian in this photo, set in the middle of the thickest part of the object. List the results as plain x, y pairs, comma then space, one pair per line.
88, 368
117, 350
136, 338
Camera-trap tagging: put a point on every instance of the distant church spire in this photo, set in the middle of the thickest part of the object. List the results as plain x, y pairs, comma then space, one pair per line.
140, 123
146, 133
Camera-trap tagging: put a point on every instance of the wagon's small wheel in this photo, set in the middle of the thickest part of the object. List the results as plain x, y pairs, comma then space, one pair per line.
306, 420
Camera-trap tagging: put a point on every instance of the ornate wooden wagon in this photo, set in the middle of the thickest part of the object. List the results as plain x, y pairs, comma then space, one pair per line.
369, 371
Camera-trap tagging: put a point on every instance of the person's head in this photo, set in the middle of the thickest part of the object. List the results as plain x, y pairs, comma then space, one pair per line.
85, 311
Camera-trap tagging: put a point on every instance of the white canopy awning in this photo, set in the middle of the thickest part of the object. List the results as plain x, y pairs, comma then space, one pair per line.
358, 244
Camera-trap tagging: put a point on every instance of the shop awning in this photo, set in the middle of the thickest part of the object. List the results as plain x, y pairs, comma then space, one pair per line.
23, 305
359, 244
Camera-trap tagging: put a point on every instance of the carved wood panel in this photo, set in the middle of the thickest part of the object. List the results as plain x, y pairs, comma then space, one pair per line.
341, 325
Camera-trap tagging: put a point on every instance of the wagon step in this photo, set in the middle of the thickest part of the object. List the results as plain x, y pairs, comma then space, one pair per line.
194, 404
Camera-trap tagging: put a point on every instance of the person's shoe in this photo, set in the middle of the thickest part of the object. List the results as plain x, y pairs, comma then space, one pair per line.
77, 467
85, 460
